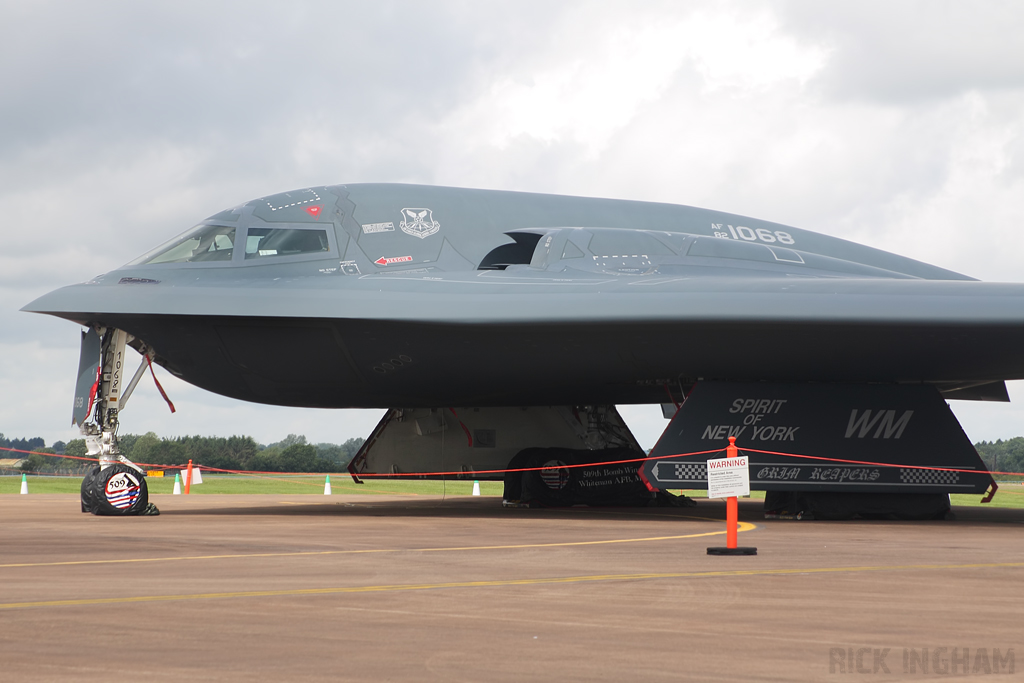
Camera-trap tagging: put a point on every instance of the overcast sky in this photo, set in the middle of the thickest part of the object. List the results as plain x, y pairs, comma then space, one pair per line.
896, 124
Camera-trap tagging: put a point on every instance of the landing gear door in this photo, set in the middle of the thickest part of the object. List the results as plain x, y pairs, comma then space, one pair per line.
870, 438
88, 375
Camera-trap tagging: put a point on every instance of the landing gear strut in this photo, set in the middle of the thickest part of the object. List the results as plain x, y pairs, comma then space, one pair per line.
116, 486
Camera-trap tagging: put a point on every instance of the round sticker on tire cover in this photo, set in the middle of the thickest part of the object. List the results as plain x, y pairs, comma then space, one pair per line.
555, 475
122, 490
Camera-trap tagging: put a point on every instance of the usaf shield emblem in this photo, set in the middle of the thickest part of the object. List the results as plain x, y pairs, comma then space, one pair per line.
419, 223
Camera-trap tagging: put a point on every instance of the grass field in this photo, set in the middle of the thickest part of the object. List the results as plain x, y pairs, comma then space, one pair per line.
1009, 495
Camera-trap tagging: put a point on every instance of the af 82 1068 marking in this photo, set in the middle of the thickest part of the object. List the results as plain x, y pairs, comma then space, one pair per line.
741, 232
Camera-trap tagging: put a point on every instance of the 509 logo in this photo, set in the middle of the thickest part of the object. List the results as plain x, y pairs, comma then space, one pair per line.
554, 475
122, 490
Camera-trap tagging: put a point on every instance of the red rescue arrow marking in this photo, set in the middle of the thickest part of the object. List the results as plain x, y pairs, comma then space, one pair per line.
388, 260
314, 211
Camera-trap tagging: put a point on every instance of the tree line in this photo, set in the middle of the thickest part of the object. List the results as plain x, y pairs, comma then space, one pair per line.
1002, 456
291, 454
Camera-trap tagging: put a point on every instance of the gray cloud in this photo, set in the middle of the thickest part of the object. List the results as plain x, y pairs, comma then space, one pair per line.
913, 51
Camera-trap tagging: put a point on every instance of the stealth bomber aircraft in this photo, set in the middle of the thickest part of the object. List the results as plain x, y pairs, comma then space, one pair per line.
492, 323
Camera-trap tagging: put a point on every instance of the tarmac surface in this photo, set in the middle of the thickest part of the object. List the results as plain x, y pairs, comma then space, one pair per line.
403, 588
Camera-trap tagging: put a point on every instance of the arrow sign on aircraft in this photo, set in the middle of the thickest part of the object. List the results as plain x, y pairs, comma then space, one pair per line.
388, 260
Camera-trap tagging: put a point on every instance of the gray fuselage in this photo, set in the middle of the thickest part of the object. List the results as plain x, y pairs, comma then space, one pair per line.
404, 295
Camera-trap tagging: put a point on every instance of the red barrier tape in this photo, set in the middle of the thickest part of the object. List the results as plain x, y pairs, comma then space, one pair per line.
537, 469
501, 471
385, 475
49, 455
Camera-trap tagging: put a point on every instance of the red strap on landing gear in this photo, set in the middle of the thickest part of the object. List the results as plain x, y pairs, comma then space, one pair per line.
159, 388
464, 427
92, 392
991, 492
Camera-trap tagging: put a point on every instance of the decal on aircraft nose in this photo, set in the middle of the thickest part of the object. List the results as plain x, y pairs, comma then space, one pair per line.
388, 260
419, 223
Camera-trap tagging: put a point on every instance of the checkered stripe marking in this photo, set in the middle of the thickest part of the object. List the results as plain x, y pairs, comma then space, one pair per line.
928, 476
691, 471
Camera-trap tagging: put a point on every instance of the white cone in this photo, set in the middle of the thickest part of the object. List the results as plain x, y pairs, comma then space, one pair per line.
177, 484
476, 488
327, 486
24, 485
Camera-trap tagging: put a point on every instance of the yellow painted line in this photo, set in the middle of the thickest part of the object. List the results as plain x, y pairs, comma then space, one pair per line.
743, 526
495, 584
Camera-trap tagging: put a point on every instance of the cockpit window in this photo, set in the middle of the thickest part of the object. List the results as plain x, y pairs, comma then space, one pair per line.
203, 243
263, 242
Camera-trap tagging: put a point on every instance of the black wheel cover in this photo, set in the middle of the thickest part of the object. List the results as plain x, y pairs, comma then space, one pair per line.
118, 490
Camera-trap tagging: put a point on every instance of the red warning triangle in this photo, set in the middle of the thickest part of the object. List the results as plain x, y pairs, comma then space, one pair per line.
314, 211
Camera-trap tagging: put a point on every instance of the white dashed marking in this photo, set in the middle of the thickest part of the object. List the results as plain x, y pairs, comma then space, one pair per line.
315, 198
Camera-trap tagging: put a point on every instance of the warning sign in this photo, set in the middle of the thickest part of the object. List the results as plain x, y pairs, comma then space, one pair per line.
728, 477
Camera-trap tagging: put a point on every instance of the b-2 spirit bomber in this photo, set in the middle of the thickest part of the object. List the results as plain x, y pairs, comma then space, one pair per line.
490, 323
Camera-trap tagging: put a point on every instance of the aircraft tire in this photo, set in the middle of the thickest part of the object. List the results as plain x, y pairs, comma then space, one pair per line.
117, 491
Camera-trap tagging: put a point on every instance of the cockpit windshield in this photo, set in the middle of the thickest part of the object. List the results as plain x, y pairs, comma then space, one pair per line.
202, 243
262, 242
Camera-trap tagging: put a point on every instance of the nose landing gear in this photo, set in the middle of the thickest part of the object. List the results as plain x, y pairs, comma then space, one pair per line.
116, 486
